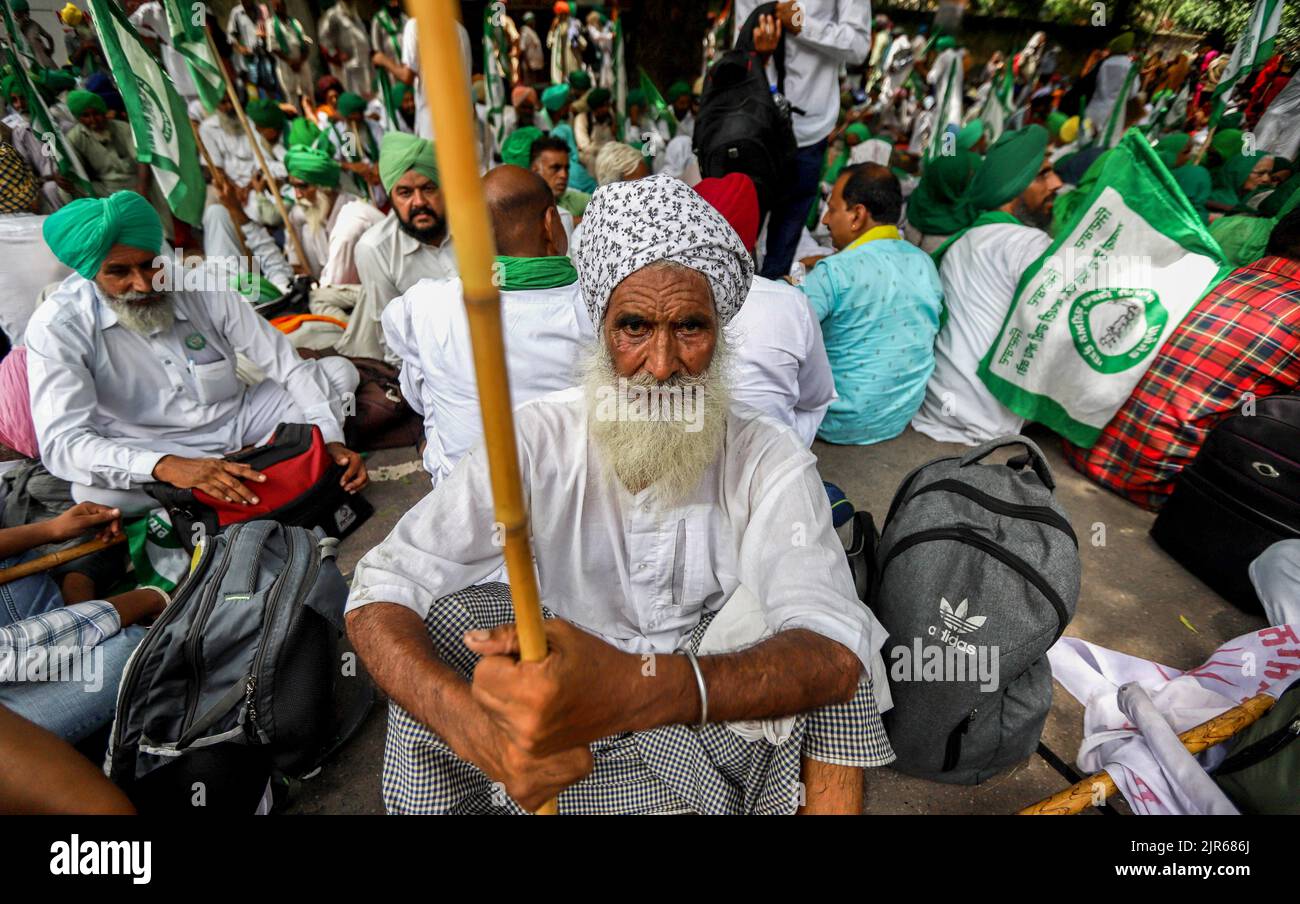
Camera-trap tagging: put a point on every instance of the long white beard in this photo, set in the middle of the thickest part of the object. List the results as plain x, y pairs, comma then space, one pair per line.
316, 212
145, 319
652, 434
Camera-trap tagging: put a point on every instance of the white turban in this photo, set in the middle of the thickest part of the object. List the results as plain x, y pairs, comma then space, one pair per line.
630, 225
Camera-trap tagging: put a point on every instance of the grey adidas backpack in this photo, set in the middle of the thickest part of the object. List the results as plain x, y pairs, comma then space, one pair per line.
977, 576
235, 681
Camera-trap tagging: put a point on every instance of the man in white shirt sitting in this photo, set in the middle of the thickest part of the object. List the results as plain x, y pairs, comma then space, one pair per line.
781, 366
408, 245
1011, 198
132, 384
661, 518
545, 321
328, 221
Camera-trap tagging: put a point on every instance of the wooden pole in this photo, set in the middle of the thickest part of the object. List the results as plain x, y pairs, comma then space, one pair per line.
218, 180
442, 74
51, 560
254, 138
1082, 794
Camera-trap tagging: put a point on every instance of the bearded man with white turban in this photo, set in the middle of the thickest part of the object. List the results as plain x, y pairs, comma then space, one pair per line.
132, 383
700, 661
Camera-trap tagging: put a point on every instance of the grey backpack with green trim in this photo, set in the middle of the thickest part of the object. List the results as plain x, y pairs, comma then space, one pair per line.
977, 576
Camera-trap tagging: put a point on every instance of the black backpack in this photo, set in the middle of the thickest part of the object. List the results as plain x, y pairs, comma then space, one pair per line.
741, 127
235, 682
1239, 496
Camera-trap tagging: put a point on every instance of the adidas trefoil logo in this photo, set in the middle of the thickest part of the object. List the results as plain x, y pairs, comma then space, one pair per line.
957, 620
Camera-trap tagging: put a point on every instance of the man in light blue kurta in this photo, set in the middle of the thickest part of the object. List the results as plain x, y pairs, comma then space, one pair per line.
878, 299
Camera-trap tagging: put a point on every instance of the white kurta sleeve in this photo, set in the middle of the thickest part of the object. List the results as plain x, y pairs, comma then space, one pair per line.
268, 348
64, 399
846, 37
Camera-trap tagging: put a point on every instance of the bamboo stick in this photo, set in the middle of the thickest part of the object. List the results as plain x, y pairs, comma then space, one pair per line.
54, 559
254, 138
1081, 795
218, 180
443, 77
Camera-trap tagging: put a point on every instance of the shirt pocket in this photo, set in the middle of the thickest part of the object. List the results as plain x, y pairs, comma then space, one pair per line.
693, 579
216, 381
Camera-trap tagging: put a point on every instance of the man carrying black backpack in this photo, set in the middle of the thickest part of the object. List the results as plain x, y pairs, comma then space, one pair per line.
819, 35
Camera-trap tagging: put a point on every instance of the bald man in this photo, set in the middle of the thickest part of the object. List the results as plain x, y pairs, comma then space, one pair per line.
545, 321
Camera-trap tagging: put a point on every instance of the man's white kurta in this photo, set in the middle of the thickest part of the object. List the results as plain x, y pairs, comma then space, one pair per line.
546, 331
108, 403
781, 366
614, 564
980, 272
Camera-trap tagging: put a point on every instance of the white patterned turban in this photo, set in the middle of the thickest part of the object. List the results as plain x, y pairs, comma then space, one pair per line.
630, 225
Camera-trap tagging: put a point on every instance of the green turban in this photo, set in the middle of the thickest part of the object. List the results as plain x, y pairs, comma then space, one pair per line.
598, 97
579, 81
1121, 43
945, 42
81, 233
1055, 120
55, 81
677, 89
350, 104
305, 133
1195, 183
80, 102
1227, 143
313, 166
400, 153
20, 6
970, 134
519, 145
861, 131
555, 97
635, 98
266, 114
9, 85
934, 208
1012, 163
400, 90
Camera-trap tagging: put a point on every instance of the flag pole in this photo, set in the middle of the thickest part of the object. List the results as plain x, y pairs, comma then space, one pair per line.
218, 180
257, 147
442, 75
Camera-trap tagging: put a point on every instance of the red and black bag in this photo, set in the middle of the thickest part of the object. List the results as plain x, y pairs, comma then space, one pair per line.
301, 489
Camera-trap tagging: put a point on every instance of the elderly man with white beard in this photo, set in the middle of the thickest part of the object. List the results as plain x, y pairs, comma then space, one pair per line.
328, 221
707, 653
132, 384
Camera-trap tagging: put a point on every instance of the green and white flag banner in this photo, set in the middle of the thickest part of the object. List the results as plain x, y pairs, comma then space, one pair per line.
156, 553
16, 38
496, 68
947, 109
1253, 47
157, 113
52, 139
190, 40
1089, 315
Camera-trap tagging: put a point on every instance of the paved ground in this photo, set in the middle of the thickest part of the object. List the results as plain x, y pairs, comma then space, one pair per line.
1134, 598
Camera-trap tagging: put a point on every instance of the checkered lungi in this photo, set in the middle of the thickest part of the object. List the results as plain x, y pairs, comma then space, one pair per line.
672, 769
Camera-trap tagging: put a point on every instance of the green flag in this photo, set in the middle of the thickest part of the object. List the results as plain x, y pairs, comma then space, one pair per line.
1107, 136
1000, 105
52, 140
948, 104
16, 38
156, 112
1089, 315
156, 552
393, 48
660, 110
189, 38
1253, 47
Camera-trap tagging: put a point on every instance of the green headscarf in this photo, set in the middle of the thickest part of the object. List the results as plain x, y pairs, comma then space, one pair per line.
675, 90
970, 134
1055, 120
1171, 146
350, 104
265, 114
400, 153
313, 166
860, 131
1195, 183
555, 97
1227, 143
80, 102
54, 81
579, 81
517, 147
400, 90
1230, 178
9, 86
597, 97
934, 205
1122, 43
82, 232
1272, 205
1012, 163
